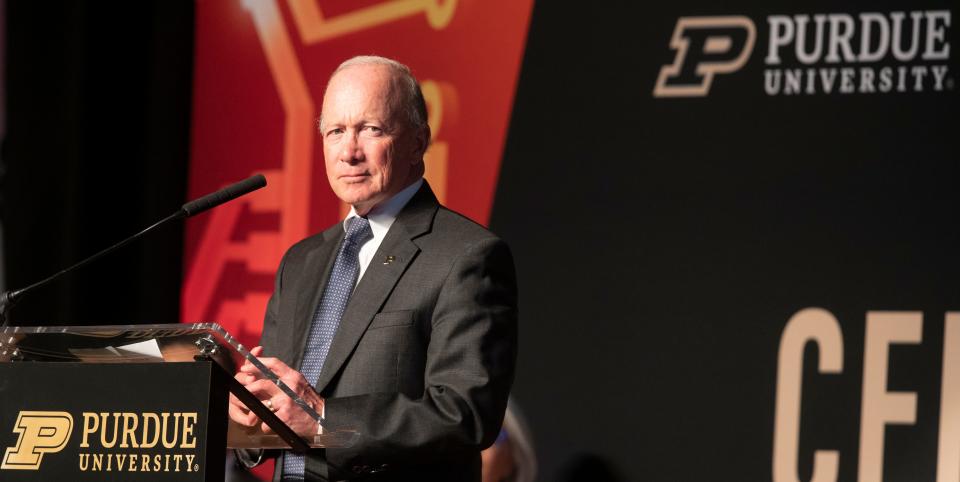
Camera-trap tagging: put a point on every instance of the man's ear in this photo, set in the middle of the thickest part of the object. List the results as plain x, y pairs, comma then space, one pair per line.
422, 142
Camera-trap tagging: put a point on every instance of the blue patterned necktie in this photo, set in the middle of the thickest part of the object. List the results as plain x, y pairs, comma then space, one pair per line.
327, 316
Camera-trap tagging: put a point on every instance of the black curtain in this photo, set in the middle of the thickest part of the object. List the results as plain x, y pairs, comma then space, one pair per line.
98, 112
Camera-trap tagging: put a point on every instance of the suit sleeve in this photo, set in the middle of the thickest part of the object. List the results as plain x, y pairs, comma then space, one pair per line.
469, 369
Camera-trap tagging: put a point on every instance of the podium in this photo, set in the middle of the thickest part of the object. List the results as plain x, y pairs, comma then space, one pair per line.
132, 402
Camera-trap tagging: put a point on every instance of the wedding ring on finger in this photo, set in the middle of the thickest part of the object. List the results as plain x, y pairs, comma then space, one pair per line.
269, 404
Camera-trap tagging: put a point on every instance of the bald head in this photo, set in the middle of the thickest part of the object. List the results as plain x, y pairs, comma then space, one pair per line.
406, 98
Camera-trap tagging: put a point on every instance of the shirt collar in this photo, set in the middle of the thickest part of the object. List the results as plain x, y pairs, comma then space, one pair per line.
383, 215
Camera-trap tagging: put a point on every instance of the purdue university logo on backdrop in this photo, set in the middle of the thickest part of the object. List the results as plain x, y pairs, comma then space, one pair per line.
705, 46
818, 54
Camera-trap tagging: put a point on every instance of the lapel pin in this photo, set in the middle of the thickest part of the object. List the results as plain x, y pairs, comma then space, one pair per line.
388, 260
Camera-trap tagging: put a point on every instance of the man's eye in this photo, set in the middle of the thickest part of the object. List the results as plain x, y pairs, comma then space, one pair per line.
335, 131
373, 130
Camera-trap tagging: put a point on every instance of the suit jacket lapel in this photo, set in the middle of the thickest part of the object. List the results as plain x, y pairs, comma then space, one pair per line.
316, 273
379, 279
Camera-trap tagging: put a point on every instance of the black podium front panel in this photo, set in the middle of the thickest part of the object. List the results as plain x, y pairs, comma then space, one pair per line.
131, 422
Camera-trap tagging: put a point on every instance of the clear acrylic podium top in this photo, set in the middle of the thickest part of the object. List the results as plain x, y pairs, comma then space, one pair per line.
158, 344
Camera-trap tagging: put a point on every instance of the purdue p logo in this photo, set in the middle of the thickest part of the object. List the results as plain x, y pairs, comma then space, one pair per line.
705, 46
40, 433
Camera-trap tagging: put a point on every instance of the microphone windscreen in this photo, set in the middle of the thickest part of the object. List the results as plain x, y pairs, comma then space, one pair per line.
228, 193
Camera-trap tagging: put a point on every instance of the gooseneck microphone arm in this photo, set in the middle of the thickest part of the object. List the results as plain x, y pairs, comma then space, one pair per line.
192, 208
9, 298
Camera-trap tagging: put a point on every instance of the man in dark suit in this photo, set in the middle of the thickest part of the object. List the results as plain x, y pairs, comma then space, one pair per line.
401, 321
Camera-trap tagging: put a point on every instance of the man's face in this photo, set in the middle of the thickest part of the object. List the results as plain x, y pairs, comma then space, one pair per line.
369, 149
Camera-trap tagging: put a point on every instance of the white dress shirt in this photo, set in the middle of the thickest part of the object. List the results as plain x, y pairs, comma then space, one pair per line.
381, 217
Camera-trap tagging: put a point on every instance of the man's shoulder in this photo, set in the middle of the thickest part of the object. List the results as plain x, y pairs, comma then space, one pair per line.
453, 228
448, 228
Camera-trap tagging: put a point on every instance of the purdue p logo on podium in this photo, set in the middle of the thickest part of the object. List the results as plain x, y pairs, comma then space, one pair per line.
40, 433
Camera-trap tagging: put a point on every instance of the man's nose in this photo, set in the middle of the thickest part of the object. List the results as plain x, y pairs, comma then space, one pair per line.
351, 152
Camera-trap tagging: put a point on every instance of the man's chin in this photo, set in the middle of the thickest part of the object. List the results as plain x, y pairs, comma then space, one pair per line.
353, 193
361, 202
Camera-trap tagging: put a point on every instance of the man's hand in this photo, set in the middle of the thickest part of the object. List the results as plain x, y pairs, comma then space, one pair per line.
271, 396
238, 411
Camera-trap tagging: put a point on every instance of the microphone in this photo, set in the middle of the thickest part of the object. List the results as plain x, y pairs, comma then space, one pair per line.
192, 208
226, 194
